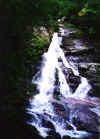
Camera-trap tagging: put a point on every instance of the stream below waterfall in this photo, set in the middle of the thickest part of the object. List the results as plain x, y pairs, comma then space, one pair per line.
62, 107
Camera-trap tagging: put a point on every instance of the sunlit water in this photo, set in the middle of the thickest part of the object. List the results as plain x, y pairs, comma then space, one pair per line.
41, 107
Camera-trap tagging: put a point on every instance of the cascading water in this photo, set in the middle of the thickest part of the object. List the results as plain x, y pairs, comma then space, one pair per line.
41, 107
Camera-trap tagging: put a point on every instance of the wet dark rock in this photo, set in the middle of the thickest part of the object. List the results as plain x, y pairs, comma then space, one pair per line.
74, 81
59, 59
54, 136
58, 107
92, 72
67, 71
80, 113
79, 52
95, 83
89, 68
76, 47
51, 133
66, 42
87, 58
68, 126
67, 137
61, 111
83, 68
47, 124
96, 88
84, 119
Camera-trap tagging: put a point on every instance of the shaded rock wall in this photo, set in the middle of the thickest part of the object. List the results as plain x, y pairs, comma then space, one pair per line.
85, 56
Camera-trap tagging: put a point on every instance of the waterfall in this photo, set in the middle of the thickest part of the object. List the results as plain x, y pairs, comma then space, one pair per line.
40, 103
47, 79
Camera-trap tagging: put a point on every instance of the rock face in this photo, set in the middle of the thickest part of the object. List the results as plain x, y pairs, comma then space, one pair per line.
92, 72
83, 118
71, 79
79, 112
75, 47
86, 58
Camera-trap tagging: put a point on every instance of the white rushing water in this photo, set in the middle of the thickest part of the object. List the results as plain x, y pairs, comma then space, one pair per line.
46, 86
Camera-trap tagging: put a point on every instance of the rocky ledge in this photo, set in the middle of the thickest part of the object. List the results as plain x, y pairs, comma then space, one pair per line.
84, 57
84, 114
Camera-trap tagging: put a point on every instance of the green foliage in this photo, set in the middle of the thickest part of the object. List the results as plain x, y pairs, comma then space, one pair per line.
67, 8
83, 13
92, 30
84, 10
91, 7
69, 25
34, 47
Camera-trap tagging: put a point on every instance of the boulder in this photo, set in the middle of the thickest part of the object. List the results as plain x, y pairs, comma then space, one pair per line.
89, 67
79, 112
84, 119
92, 72
76, 47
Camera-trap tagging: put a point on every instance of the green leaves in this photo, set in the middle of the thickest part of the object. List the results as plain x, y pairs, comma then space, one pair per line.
82, 12
91, 7
92, 30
